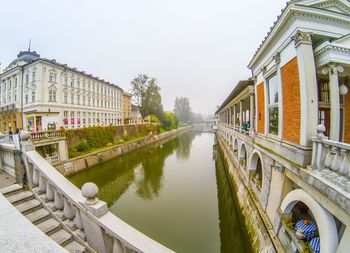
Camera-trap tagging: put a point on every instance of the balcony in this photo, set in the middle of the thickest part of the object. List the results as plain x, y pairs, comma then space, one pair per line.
329, 171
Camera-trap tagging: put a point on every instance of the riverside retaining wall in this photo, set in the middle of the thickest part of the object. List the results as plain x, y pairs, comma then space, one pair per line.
83, 162
253, 216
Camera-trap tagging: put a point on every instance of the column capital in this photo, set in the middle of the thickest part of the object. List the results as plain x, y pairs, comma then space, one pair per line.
302, 38
332, 68
277, 58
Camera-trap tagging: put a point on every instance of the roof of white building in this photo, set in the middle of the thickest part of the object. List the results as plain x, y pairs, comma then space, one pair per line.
28, 57
339, 7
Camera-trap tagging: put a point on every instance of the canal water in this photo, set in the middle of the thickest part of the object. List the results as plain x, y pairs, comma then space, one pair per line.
175, 192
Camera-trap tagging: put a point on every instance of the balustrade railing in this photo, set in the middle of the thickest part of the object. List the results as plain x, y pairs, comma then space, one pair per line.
103, 231
53, 159
38, 136
331, 158
236, 128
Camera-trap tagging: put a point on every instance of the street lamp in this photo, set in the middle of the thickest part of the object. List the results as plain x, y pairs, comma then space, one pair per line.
343, 89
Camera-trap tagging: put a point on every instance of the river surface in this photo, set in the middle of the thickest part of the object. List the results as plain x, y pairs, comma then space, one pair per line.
175, 192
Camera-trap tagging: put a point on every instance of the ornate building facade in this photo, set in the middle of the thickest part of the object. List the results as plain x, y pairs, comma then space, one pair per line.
41, 94
286, 131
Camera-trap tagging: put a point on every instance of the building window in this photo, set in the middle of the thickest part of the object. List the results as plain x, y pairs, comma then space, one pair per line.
26, 99
65, 113
78, 99
272, 83
72, 99
10, 85
33, 76
65, 80
15, 82
33, 96
65, 98
89, 101
72, 82
83, 100
52, 95
27, 78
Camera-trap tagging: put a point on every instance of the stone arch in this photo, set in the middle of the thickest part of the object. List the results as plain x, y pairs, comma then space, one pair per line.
256, 166
324, 219
242, 154
235, 146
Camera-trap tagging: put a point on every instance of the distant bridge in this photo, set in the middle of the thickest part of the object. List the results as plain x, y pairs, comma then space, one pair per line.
202, 126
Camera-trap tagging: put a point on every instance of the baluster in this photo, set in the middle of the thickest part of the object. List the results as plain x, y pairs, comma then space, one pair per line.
336, 161
49, 192
68, 210
42, 184
78, 223
117, 246
58, 201
328, 158
314, 153
35, 176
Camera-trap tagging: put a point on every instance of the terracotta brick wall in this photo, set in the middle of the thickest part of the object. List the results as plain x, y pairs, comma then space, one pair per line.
347, 118
261, 108
291, 101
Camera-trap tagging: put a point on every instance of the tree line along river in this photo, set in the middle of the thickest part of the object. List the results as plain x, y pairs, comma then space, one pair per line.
176, 192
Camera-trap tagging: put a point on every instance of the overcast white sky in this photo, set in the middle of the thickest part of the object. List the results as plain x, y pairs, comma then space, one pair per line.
195, 48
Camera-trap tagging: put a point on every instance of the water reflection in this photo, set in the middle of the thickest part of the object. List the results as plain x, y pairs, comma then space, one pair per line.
233, 234
175, 192
144, 167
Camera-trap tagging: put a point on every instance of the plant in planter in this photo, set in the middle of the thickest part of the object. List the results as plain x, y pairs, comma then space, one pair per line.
307, 248
288, 222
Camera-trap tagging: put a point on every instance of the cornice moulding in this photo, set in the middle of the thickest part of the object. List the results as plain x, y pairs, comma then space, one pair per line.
290, 14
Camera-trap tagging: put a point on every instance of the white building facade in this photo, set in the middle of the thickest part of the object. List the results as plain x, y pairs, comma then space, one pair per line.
40, 94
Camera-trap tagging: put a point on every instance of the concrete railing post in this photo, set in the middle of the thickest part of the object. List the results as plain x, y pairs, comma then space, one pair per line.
93, 231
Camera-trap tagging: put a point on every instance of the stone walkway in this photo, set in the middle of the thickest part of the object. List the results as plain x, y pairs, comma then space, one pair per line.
5, 179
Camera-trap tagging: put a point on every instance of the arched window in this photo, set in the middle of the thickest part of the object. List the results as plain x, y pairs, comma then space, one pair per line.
243, 156
256, 169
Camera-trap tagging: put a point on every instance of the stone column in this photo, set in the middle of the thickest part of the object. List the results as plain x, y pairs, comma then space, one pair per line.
334, 100
240, 114
251, 112
229, 116
308, 86
234, 116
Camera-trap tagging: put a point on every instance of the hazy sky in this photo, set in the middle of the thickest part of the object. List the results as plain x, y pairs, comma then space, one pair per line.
195, 48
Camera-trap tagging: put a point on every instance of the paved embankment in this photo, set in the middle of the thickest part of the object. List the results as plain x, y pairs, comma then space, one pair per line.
83, 162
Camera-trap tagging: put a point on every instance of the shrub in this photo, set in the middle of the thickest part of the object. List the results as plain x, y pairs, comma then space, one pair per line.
82, 146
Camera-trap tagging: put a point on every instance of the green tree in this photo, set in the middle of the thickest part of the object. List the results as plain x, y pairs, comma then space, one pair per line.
182, 109
139, 85
168, 121
147, 96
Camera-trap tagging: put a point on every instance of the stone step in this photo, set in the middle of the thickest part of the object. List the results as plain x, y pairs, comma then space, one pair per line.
20, 197
12, 189
49, 226
28, 206
38, 215
75, 247
62, 237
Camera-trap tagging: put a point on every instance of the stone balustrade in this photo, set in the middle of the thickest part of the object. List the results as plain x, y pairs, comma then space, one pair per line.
53, 159
235, 129
331, 159
37, 136
102, 230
